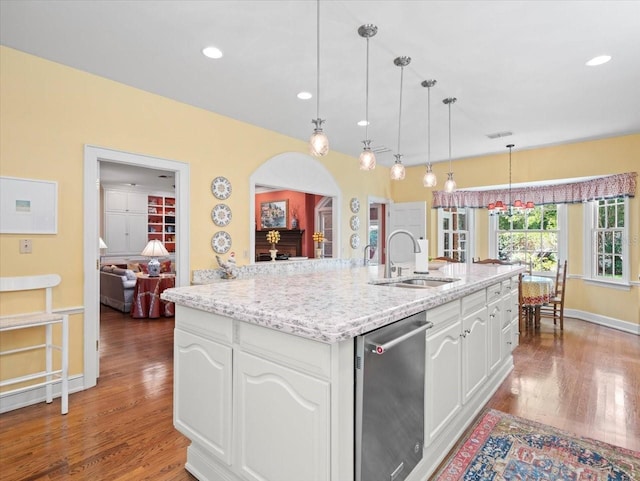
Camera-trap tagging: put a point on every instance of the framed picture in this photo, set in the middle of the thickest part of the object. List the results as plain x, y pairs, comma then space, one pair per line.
28, 206
274, 214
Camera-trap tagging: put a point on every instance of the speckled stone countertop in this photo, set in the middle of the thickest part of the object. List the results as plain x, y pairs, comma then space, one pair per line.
332, 305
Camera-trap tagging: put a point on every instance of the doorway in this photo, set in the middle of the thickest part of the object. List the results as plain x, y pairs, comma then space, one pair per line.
91, 258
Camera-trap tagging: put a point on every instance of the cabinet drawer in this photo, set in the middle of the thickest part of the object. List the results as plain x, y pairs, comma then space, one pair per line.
303, 354
494, 292
474, 302
206, 324
444, 315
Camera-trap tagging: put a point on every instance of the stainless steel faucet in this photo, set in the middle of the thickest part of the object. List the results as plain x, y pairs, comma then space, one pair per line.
366, 259
387, 264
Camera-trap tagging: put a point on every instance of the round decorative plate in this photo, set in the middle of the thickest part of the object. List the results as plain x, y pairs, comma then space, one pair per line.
221, 242
355, 222
355, 241
355, 205
221, 188
221, 215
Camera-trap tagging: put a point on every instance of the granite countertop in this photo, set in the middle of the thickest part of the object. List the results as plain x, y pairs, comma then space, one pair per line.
334, 304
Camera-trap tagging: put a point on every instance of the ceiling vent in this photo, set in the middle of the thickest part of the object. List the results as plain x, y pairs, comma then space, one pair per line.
498, 135
380, 149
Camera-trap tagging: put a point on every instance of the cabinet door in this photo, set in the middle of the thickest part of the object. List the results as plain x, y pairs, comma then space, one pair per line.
137, 233
475, 352
443, 382
137, 202
116, 232
496, 313
282, 422
202, 392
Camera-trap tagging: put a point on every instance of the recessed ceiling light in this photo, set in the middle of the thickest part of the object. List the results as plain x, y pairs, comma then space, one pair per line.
599, 60
363, 123
212, 52
304, 95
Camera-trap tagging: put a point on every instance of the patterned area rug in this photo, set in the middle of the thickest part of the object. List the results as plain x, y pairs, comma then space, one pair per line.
501, 446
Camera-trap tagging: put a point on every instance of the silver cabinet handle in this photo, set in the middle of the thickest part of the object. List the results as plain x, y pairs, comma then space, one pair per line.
382, 348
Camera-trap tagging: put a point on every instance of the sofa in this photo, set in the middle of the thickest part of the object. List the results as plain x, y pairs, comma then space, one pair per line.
116, 287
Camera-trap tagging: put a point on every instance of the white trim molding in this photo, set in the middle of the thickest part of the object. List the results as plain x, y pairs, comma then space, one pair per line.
605, 321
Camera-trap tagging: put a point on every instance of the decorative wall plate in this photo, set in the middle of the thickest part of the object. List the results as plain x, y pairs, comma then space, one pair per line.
221, 242
355, 205
221, 188
355, 241
354, 222
221, 215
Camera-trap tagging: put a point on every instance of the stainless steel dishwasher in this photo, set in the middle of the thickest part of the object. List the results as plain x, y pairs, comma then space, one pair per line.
389, 430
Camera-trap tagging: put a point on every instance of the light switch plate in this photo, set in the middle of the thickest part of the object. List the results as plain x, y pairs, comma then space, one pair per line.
25, 246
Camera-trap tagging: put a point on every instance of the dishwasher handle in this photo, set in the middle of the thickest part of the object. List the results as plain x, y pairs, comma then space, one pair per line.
382, 348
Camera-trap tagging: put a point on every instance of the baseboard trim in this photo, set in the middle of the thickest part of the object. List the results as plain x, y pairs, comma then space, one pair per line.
10, 401
611, 322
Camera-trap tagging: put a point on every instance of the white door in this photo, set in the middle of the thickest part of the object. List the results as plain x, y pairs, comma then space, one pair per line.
411, 216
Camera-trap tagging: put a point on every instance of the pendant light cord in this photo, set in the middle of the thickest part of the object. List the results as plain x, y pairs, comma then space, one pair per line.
429, 126
318, 58
366, 108
400, 110
450, 137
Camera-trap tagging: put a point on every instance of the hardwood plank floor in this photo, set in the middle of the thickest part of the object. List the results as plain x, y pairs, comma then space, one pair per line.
585, 380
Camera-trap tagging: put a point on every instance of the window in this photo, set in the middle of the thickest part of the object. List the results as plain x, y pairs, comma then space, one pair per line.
531, 237
608, 259
454, 240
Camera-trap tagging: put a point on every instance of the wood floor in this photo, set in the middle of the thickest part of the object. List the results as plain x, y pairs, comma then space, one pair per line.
585, 380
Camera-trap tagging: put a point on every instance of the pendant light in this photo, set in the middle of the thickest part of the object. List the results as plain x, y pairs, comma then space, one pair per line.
429, 179
498, 207
367, 157
450, 184
318, 143
398, 171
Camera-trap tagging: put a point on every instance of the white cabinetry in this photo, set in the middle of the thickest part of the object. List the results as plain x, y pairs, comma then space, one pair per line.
282, 421
255, 402
125, 222
443, 374
496, 312
475, 347
202, 401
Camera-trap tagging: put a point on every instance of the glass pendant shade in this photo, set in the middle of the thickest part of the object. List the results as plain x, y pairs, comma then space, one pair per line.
450, 184
367, 159
429, 179
397, 171
318, 143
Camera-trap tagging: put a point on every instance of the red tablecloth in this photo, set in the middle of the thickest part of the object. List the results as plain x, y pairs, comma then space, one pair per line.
146, 297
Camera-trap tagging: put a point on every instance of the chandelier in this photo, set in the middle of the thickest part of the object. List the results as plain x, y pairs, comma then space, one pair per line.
500, 208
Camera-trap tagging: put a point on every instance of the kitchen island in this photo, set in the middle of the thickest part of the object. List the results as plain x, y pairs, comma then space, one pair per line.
264, 366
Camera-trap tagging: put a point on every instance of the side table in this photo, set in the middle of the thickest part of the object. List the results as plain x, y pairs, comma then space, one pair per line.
146, 297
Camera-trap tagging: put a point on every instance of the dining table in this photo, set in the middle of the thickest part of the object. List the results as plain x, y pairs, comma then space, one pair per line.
535, 292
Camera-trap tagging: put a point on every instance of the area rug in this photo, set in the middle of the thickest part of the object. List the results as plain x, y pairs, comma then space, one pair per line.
501, 446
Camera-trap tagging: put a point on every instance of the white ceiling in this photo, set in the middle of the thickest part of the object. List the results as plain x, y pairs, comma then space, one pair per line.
514, 66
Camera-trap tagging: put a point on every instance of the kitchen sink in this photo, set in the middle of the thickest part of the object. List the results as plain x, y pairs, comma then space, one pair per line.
415, 283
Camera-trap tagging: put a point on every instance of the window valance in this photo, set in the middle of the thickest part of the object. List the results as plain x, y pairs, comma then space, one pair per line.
600, 188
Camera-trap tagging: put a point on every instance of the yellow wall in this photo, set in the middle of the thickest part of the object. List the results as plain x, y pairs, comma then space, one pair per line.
598, 157
48, 112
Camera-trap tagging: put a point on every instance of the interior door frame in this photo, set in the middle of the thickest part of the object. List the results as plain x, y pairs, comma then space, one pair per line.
91, 257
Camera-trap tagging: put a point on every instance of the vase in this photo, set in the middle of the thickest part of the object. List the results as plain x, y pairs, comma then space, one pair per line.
318, 253
273, 253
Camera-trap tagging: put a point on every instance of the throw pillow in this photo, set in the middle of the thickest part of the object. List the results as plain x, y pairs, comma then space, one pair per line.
165, 266
135, 267
144, 268
130, 274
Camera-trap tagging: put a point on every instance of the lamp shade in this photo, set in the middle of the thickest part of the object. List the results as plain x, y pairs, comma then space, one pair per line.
154, 249
101, 243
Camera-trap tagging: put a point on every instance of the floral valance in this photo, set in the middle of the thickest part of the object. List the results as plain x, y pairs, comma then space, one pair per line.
600, 188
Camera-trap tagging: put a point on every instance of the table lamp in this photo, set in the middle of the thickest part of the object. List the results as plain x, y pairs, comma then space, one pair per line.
154, 249
102, 246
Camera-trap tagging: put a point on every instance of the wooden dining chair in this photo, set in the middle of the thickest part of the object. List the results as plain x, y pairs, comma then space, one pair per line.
522, 310
554, 309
